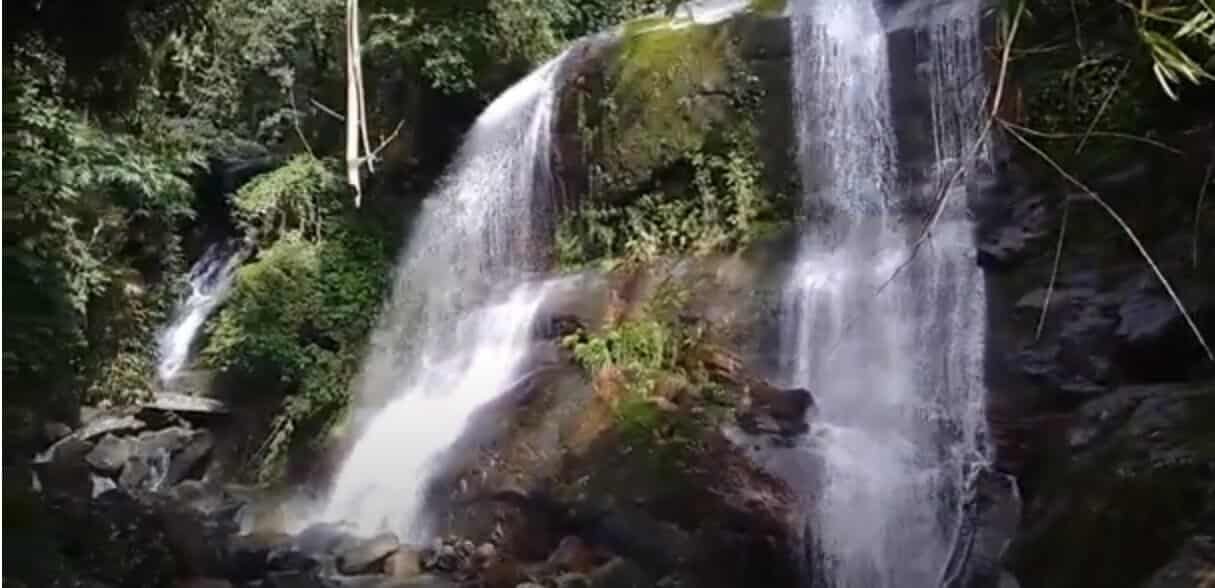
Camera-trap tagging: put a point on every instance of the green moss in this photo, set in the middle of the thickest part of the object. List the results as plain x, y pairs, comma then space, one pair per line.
641, 25
769, 7
657, 107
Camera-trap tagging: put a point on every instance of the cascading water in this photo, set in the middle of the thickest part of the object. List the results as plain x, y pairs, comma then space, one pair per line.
888, 337
210, 279
456, 330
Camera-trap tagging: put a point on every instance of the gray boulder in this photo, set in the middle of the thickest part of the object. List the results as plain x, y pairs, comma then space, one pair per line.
110, 454
361, 557
145, 471
196, 448
1192, 565
618, 573
64, 469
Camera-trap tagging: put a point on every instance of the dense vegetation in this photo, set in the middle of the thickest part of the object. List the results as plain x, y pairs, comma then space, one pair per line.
126, 127
123, 122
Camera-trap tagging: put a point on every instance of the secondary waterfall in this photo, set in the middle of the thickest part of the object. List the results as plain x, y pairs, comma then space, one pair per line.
890, 339
209, 279
457, 327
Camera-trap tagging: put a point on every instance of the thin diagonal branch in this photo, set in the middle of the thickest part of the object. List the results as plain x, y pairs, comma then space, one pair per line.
1125, 229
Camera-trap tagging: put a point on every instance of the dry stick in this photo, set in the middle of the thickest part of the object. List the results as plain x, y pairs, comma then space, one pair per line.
327, 110
391, 137
943, 193
1109, 97
1076, 24
1054, 272
1111, 134
1125, 229
1202, 194
295, 119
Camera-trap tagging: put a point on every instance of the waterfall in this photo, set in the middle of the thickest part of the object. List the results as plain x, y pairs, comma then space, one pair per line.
209, 279
889, 339
456, 329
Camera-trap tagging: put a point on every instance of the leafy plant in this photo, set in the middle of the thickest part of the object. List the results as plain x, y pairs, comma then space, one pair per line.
1194, 23
724, 207
296, 197
89, 215
296, 321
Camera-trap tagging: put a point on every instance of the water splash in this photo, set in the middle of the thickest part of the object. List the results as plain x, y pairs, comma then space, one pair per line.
457, 327
210, 279
488, 222
895, 362
384, 483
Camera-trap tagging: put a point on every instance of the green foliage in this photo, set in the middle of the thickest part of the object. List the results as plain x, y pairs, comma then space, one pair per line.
457, 45
295, 197
1090, 74
770, 7
89, 216
654, 110
296, 319
1193, 24
647, 360
724, 207
643, 348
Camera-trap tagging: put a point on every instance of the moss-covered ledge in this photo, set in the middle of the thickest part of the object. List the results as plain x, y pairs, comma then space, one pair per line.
673, 137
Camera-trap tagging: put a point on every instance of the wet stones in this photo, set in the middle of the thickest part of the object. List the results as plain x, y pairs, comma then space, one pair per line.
361, 557
771, 410
110, 455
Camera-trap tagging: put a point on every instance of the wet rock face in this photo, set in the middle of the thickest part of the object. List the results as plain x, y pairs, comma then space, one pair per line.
594, 494
1194, 564
111, 541
1105, 416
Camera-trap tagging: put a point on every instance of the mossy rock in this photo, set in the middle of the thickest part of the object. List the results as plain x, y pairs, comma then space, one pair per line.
667, 89
1138, 485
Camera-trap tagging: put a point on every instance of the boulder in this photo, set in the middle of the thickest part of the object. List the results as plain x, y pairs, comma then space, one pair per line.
571, 581
405, 563
248, 556
145, 471
170, 440
1193, 564
361, 557
64, 469
199, 542
110, 454
441, 557
422, 581
324, 538
558, 326
1016, 233
772, 410
285, 558
1153, 341
619, 573
113, 539
53, 431
1140, 467
294, 579
184, 462
203, 583
101, 485
152, 457
486, 552
571, 555
95, 427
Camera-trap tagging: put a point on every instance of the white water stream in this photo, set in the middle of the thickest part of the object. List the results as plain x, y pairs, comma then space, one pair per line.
894, 361
209, 279
456, 329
